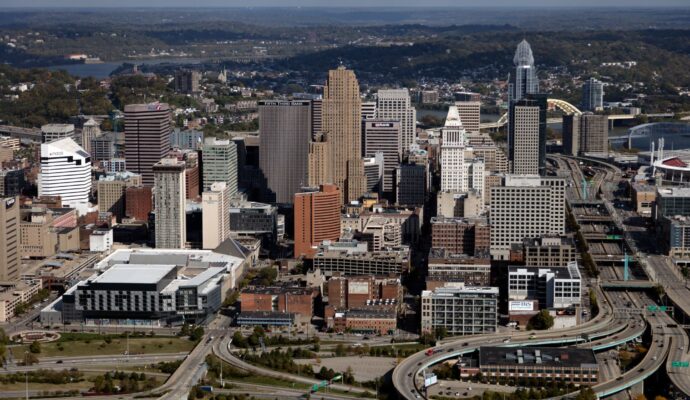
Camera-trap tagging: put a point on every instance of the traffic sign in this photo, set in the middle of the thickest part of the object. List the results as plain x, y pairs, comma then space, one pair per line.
680, 364
656, 308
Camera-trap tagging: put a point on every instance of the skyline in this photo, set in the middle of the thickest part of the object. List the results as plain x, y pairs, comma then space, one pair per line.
21, 4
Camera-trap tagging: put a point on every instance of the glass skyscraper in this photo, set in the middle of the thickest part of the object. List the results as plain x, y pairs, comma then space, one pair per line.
524, 80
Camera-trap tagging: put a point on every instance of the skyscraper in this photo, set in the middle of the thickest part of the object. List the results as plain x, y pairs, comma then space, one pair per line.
52, 132
586, 133
317, 218
285, 128
592, 95
319, 162
525, 206
169, 195
66, 172
89, 131
342, 124
470, 116
147, 137
453, 145
384, 136
524, 80
9, 239
394, 104
215, 215
219, 160
527, 135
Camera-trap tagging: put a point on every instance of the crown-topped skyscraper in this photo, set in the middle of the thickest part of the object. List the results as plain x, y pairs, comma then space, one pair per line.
524, 80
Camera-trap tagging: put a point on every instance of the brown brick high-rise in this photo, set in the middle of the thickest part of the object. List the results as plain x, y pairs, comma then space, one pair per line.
317, 218
147, 137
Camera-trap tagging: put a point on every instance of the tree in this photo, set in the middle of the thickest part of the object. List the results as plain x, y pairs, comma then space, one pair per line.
543, 320
35, 347
586, 394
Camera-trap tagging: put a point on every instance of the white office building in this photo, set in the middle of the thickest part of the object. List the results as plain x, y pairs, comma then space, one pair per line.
215, 215
553, 287
394, 104
525, 206
66, 172
460, 309
453, 147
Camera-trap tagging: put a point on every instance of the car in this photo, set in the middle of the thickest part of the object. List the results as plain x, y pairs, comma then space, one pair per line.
640, 370
507, 340
465, 344
419, 363
451, 349
58, 362
409, 374
366, 338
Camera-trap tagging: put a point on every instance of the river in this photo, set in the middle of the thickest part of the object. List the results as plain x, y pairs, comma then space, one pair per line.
104, 69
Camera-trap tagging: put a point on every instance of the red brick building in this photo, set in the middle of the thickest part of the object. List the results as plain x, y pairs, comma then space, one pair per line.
293, 300
138, 202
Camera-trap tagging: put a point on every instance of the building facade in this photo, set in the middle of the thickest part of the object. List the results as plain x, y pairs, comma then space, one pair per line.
527, 135
219, 160
10, 257
525, 206
342, 122
586, 133
317, 218
147, 137
284, 146
170, 204
593, 95
66, 172
460, 310
216, 215
394, 105
554, 287
383, 136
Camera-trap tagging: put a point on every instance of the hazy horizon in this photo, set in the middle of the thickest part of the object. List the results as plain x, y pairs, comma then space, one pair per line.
52, 4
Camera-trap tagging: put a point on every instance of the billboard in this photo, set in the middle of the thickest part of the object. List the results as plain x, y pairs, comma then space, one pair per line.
519, 305
358, 287
430, 379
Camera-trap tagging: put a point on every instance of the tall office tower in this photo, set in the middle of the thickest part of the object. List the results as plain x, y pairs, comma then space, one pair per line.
475, 171
215, 215
593, 95
12, 182
410, 185
373, 169
470, 115
285, 133
9, 239
319, 162
111, 192
316, 116
187, 81
524, 81
453, 145
586, 133
317, 218
394, 104
342, 124
52, 132
89, 131
525, 206
527, 135
66, 172
219, 161
368, 110
384, 137
170, 204
147, 137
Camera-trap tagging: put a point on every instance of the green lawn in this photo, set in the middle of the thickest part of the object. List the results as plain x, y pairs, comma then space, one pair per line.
76, 348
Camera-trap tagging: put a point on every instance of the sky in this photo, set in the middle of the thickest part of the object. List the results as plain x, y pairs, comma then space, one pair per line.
349, 3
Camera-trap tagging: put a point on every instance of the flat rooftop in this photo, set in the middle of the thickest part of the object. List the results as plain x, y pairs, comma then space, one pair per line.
135, 273
545, 356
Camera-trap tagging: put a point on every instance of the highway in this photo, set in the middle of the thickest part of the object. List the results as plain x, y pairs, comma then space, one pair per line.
221, 349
